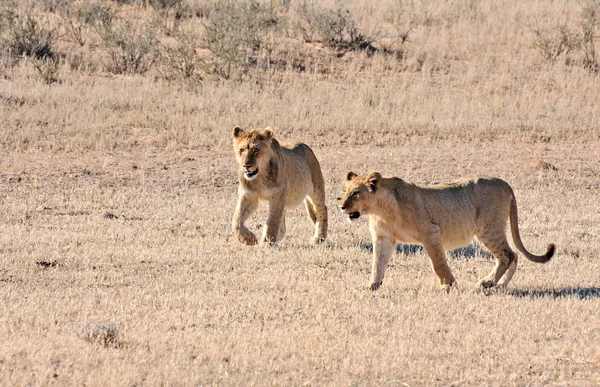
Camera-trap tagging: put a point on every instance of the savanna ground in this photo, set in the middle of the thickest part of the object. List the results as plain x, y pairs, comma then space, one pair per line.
118, 182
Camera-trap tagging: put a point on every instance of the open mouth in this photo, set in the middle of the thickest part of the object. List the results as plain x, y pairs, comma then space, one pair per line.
354, 215
249, 175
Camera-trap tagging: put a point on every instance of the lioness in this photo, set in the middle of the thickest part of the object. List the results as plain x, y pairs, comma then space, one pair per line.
439, 217
282, 175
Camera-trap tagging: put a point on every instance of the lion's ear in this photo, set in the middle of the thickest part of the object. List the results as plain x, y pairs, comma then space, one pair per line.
267, 134
237, 132
350, 176
373, 181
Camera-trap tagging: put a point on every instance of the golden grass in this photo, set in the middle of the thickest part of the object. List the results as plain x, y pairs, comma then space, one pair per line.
162, 293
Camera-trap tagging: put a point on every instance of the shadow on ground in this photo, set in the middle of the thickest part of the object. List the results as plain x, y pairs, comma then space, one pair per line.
582, 293
471, 251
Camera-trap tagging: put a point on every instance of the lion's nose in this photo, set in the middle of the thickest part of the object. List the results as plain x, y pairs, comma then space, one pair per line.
247, 166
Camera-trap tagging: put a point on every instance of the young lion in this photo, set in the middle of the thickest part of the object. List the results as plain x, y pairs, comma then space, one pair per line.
282, 175
439, 217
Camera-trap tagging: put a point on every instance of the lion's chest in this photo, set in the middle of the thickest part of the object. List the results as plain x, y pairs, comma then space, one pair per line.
393, 228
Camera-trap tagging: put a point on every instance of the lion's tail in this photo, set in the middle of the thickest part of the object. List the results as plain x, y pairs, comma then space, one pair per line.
514, 228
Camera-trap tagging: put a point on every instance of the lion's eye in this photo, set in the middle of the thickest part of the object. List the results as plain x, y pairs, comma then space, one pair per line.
256, 150
354, 194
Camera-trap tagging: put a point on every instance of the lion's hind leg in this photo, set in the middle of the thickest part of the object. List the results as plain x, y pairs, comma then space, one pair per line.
282, 229
505, 261
310, 209
319, 210
512, 269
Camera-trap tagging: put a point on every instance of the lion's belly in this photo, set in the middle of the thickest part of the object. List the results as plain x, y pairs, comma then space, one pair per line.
456, 237
298, 192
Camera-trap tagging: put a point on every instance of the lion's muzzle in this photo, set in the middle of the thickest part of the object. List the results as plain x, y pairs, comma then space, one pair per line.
250, 174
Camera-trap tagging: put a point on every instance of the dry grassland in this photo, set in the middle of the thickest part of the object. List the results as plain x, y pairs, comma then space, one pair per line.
118, 266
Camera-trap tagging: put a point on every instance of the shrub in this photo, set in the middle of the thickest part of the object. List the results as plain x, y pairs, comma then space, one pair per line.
54, 5
130, 49
181, 60
553, 43
73, 19
27, 37
104, 334
236, 31
563, 40
590, 19
167, 4
334, 27
47, 68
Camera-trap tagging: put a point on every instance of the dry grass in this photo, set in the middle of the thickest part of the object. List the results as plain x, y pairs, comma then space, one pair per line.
118, 267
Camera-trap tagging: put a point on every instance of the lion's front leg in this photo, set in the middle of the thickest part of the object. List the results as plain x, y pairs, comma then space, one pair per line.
274, 219
437, 256
382, 252
245, 207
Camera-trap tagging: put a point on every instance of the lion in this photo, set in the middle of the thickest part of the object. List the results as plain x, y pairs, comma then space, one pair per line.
285, 176
439, 217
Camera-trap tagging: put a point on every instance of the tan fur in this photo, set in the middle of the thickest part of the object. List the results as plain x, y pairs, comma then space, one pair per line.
439, 217
286, 176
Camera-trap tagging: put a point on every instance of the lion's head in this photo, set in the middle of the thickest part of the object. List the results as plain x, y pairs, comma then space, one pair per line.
359, 192
252, 150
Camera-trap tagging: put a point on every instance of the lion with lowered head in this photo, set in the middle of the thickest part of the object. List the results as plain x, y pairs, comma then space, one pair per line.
285, 176
438, 217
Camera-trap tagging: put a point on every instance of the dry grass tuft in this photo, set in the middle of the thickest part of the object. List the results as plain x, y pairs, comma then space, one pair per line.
106, 334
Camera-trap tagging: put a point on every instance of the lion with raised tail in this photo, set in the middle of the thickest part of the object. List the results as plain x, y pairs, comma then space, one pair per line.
284, 176
438, 217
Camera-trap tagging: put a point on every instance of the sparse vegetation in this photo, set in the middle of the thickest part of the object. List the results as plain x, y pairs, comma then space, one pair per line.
106, 335
117, 263
27, 37
334, 27
564, 40
237, 33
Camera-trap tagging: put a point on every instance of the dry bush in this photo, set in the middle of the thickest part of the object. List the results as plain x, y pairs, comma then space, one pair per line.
555, 42
172, 13
73, 20
237, 32
106, 335
334, 27
575, 43
590, 21
167, 4
55, 5
130, 48
28, 37
149, 164
47, 68
181, 60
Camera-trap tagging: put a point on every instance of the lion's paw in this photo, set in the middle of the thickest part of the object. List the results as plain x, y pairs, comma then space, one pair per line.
317, 240
249, 239
375, 285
